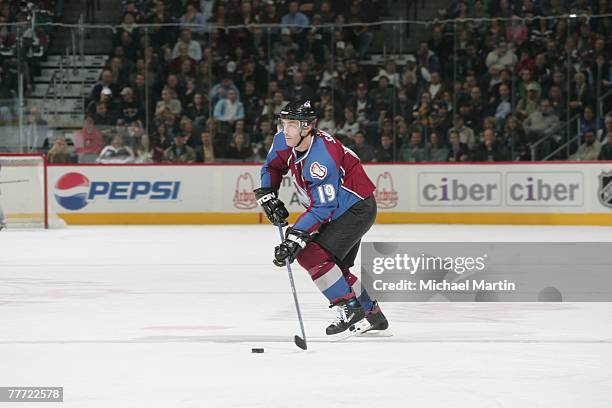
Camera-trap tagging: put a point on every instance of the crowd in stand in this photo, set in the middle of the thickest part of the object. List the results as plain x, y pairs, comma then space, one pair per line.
477, 90
22, 45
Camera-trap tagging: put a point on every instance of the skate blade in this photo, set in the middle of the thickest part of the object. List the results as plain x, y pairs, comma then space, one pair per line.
375, 334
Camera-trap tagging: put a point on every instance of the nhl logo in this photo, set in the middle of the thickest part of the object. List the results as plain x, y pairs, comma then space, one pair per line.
244, 198
605, 189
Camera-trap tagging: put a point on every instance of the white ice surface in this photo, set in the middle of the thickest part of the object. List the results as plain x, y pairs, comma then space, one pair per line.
167, 316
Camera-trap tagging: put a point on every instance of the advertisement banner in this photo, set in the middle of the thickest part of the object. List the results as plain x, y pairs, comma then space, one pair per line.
471, 193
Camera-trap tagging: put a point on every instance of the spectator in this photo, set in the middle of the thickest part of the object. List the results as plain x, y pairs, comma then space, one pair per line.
436, 150
193, 20
194, 49
502, 56
263, 148
148, 151
589, 121
503, 106
365, 152
589, 150
606, 149
229, 109
238, 149
490, 150
466, 134
183, 64
179, 152
327, 123
129, 110
601, 134
459, 152
350, 126
529, 105
106, 82
116, 152
294, 18
36, 131
168, 101
384, 153
205, 153
542, 122
414, 151
88, 141
428, 61
60, 153
300, 90
221, 89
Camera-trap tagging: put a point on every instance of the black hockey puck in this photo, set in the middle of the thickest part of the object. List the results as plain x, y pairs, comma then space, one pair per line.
257, 350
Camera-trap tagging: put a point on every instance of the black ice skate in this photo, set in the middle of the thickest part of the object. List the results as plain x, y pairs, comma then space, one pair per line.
377, 319
349, 312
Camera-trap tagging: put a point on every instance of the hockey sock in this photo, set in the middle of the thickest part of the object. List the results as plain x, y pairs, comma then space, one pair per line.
324, 272
358, 289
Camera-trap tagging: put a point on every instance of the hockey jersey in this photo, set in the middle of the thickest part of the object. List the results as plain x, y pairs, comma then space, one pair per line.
328, 177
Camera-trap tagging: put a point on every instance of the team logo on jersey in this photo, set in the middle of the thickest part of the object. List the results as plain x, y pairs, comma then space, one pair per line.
385, 194
74, 191
76, 185
318, 170
244, 197
605, 189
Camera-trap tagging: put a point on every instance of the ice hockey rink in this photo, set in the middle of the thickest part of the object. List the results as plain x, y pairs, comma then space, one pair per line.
167, 316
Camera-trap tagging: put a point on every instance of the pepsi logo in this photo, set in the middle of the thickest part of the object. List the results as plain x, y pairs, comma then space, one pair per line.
71, 191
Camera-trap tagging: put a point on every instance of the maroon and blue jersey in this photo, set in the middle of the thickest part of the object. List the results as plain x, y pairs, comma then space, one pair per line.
328, 177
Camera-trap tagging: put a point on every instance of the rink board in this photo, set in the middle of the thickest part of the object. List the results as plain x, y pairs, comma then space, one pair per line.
508, 193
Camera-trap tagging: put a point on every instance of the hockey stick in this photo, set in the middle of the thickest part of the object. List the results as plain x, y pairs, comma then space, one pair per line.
299, 341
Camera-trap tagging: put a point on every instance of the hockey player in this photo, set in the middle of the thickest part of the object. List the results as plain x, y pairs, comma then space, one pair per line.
340, 208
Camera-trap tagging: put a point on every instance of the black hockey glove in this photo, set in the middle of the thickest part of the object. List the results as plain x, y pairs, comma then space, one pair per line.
286, 252
273, 207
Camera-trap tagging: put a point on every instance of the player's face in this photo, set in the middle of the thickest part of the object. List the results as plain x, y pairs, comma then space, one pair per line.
291, 129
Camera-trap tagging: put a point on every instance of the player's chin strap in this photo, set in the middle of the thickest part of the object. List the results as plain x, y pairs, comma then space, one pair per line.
301, 129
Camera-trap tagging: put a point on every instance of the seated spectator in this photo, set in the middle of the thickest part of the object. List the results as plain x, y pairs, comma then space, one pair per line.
459, 152
414, 151
542, 122
106, 81
197, 110
205, 153
193, 20
261, 152
221, 89
390, 72
589, 150
327, 122
436, 150
116, 152
168, 101
129, 109
384, 153
502, 56
274, 105
88, 141
300, 90
503, 106
294, 19
194, 49
602, 133
148, 151
589, 121
179, 152
183, 63
606, 149
363, 149
238, 149
60, 153
490, 150
382, 95
229, 109
466, 135
527, 106
350, 126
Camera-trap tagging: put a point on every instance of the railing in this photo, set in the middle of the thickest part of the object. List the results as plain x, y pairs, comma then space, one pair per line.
564, 127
